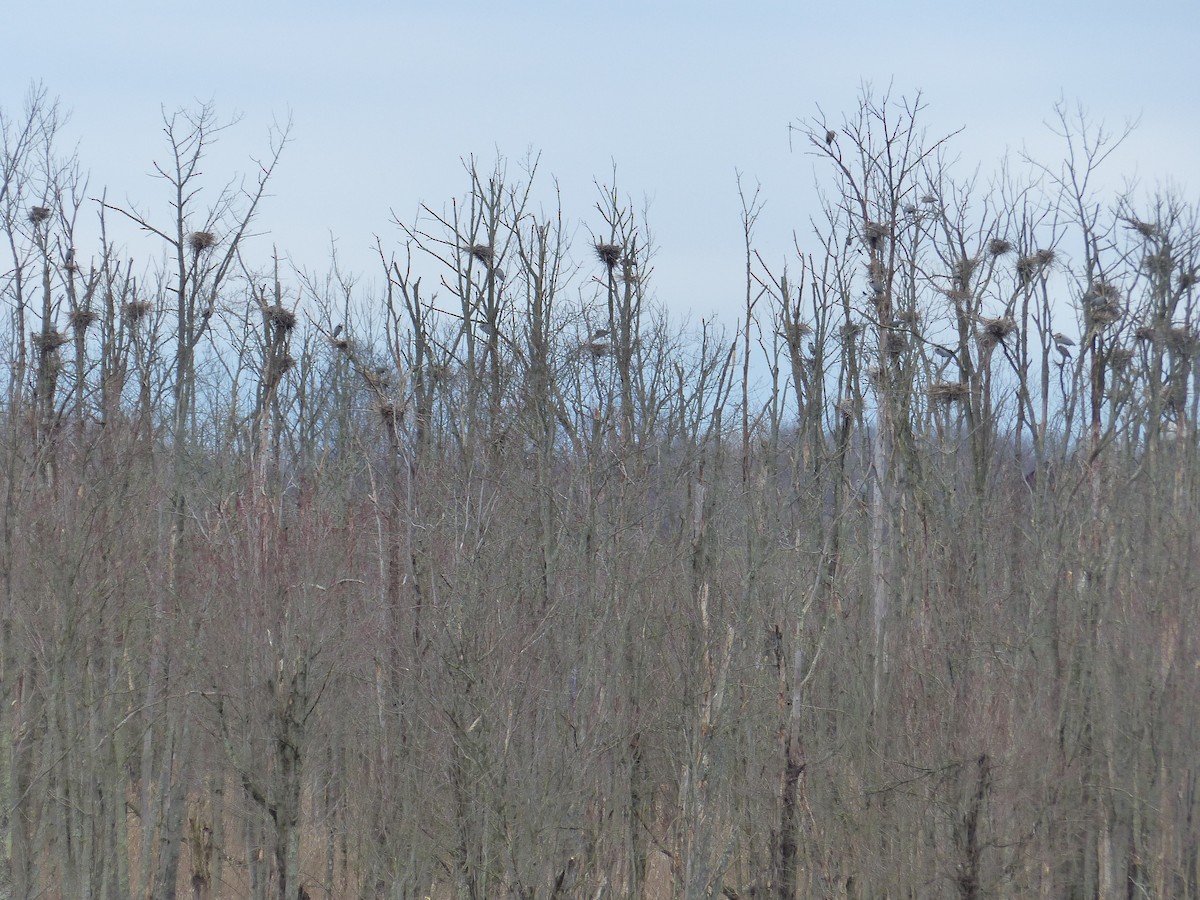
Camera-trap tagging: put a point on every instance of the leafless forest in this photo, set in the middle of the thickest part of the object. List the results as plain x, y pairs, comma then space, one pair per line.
479, 577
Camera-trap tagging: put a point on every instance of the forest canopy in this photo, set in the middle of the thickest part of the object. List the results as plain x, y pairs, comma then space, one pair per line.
483, 577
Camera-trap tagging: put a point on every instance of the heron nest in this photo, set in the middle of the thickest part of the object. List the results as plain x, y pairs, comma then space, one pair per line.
200, 241
1103, 301
391, 412
609, 254
1145, 229
1107, 313
910, 317
281, 319
1145, 333
1159, 264
963, 270
948, 391
136, 309
485, 253
39, 214
995, 331
794, 332
376, 380
1187, 280
49, 340
1102, 291
597, 349
999, 246
1183, 341
83, 319
875, 232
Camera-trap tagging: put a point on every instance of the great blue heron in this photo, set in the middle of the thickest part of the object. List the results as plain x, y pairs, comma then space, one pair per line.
1062, 343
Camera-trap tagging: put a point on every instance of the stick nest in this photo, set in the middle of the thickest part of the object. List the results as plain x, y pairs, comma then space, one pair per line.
963, 269
83, 319
999, 246
281, 319
1028, 266
994, 331
200, 241
1103, 302
391, 412
609, 254
49, 340
39, 214
794, 332
1159, 264
1183, 341
875, 232
136, 309
485, 253
1145, 229
948, 392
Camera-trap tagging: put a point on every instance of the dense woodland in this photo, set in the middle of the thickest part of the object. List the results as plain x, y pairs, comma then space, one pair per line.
478, 577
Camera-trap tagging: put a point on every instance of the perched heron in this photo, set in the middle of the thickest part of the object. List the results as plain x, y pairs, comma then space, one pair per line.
1062, 344
943, 352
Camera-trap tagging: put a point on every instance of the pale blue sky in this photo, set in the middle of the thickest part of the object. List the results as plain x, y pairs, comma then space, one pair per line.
386, 99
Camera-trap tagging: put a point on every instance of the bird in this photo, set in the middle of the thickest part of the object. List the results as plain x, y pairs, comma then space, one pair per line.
1062, 343
830, 136
600, 333
943, 352
70, 257
336, 332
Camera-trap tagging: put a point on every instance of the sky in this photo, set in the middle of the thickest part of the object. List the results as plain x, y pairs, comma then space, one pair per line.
386, 99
